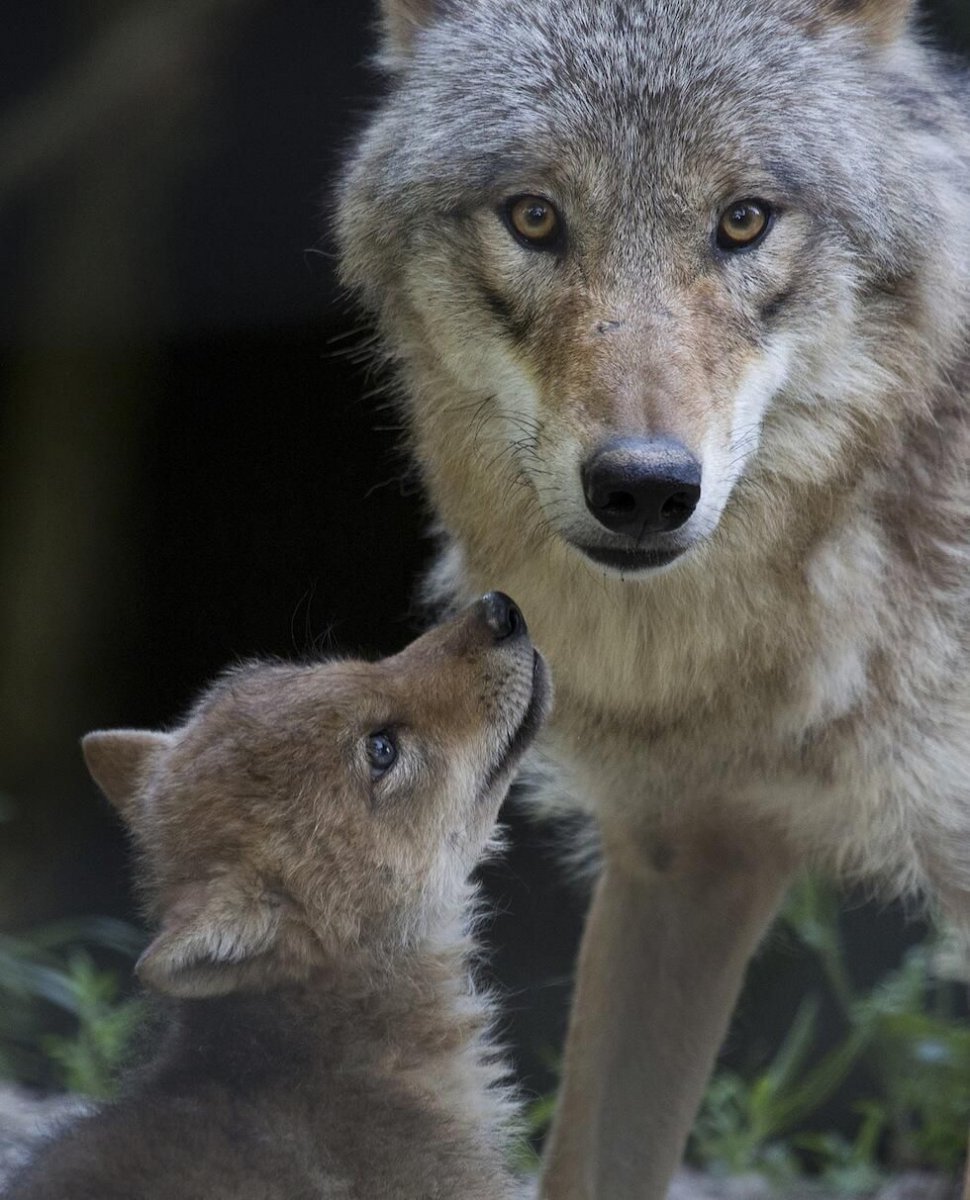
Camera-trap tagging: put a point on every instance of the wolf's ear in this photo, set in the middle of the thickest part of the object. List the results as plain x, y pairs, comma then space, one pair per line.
215, 936
120, 760
404, 18
883, 20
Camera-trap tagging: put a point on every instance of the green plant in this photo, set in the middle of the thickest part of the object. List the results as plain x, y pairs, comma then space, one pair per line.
848, 1167
743, 1124
63, 1019
913, 1051
920, 1055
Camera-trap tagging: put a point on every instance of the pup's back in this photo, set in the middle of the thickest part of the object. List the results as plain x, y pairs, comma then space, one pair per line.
306, 838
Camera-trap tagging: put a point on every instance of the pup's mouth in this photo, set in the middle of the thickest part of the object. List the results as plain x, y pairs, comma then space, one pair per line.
524, 734
629, 562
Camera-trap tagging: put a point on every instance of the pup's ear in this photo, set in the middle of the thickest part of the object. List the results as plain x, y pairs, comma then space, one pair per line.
215, 937
120, 761
883, 20
404, 18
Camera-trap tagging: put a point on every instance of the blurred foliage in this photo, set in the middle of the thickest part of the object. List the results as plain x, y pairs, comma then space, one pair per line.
64, 1021
905, 1045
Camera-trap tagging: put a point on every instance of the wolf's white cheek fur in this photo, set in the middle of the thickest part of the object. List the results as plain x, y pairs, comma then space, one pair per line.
724, 458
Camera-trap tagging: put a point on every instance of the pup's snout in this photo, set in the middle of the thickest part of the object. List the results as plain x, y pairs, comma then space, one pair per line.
502, 616
635, 486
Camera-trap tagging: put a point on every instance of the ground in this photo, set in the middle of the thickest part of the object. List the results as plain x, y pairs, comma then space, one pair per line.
24, 1118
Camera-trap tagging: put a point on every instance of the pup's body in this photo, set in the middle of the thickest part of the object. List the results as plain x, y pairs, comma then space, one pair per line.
612, 246
324, 1040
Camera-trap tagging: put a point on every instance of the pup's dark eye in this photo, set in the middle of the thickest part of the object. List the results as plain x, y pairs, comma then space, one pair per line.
534, 221
381, 752
743, 225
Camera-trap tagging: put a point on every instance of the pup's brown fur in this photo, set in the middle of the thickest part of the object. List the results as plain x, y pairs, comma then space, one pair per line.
324, 1039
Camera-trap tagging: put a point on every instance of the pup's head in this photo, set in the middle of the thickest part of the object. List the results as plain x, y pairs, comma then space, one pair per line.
324, 816
647, 250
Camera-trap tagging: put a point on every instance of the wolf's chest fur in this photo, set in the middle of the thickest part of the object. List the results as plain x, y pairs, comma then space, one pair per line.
801, 690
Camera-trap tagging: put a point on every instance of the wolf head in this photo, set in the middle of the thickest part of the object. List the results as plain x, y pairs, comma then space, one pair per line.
324, 817
645, 266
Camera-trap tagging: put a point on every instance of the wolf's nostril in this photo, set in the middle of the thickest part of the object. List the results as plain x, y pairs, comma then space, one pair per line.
620, 502
502, 616
678, 506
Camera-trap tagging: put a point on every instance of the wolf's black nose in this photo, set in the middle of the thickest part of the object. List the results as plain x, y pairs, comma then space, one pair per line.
642, 485
502, 616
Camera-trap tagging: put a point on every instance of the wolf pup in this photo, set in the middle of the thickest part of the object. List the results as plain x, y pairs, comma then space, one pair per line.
677, 296
305, 840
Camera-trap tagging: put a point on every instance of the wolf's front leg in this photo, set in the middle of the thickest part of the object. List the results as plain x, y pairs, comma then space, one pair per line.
664, 952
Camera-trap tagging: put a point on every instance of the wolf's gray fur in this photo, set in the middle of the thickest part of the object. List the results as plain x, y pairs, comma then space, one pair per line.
795, 689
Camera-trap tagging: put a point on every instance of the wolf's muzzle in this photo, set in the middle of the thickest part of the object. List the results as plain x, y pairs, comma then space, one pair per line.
638, 486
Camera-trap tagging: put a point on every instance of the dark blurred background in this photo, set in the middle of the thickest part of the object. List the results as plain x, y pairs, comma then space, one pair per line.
193, 467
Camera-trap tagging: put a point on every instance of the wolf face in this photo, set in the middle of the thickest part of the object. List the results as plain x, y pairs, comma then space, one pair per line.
324, 815
656, 253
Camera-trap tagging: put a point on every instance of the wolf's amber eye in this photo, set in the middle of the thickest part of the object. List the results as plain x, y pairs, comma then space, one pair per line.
743, 224
534, 221
381, 752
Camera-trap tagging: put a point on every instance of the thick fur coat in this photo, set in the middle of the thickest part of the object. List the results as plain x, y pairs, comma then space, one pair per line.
791, 686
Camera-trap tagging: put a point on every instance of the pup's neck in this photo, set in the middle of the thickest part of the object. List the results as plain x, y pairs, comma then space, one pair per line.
415, 1028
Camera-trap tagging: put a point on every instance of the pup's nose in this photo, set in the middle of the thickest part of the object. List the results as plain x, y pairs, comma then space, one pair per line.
642, 485
502, 616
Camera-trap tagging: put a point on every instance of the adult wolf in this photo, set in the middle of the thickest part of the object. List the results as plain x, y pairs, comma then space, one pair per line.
677, 294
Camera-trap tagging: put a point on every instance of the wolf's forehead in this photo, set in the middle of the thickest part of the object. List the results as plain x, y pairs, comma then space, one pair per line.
593, 48
578, 78
640, 51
